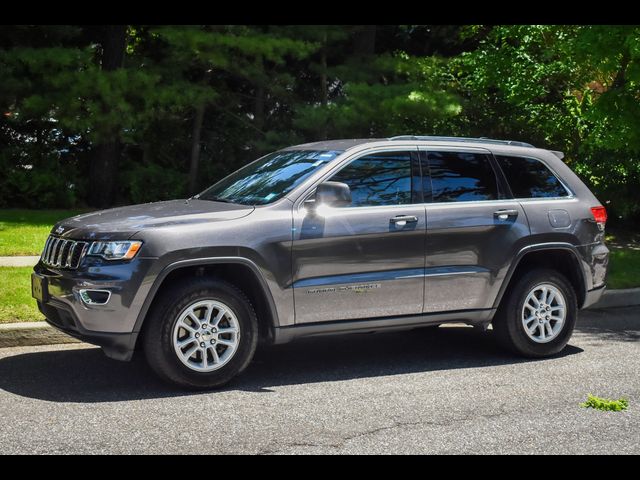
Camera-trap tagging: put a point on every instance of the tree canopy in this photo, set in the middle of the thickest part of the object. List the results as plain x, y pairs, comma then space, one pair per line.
106, 115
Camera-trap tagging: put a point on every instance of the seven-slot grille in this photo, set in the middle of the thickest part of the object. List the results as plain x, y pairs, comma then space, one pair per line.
61, 253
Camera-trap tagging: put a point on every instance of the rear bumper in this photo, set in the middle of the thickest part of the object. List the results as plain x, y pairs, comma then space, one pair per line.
593, 296
119, 346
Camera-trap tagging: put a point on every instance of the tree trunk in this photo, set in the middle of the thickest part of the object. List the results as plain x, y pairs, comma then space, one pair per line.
365, 41
103, 174
324, 92
195, 148
113, 47
259, 107
104, 164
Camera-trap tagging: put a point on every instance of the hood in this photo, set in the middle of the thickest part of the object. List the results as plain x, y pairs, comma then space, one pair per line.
121, 223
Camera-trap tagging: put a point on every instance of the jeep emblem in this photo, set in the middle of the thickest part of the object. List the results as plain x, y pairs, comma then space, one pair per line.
59, 230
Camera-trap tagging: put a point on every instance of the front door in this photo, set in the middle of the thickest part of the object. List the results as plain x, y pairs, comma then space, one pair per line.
474, 229
366, 259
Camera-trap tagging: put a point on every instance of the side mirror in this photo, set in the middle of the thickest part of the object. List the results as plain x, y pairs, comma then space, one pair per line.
333, 194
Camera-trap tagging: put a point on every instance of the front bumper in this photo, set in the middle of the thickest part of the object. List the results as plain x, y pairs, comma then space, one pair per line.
119, 346
111, 325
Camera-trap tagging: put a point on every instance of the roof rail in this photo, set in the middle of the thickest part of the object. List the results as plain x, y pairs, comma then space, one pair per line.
461, 139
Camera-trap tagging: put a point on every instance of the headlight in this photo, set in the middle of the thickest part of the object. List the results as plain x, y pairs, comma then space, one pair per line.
115, 250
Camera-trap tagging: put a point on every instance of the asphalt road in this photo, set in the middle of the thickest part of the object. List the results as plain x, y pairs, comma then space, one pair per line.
451, 390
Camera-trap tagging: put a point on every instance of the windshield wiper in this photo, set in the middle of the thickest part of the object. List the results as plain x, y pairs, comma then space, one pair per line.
216, 199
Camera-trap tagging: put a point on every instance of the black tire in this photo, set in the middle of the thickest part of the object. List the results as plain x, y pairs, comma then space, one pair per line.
158, 331
507, 324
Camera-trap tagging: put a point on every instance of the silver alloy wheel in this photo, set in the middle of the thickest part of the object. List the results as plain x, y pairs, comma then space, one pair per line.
544, 313
206, 335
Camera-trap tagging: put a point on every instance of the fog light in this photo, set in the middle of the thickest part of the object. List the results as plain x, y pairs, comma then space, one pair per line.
95, 297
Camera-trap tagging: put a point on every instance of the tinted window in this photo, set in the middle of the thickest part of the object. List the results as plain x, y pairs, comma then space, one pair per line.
462, 177
380, 179
530, 178
268, 178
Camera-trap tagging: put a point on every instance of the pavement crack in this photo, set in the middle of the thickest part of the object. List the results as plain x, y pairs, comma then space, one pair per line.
280, 448
382, 429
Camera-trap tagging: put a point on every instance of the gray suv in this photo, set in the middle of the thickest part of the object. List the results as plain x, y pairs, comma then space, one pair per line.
333, 237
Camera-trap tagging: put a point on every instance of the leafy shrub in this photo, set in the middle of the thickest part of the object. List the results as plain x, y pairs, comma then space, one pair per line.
37, 187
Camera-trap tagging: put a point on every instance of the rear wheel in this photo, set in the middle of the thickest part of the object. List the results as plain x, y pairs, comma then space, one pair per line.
538, 316
201, 334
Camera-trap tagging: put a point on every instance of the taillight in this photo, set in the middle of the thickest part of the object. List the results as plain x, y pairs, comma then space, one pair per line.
599, 215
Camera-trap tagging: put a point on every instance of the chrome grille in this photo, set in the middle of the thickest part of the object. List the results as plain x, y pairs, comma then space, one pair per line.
61, 253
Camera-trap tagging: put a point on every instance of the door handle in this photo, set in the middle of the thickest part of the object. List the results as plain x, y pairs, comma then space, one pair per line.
505, 214
402, 220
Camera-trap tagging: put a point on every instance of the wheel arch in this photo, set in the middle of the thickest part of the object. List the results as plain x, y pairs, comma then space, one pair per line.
241, 272
563, 257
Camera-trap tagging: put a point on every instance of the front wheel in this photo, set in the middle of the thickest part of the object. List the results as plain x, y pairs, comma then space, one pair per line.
201, 334
538, 316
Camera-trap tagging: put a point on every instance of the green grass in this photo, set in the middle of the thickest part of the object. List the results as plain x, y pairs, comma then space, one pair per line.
16, 304
23, 232
624, 268
605, 404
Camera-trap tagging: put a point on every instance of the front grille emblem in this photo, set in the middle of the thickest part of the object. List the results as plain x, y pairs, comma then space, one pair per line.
59, 230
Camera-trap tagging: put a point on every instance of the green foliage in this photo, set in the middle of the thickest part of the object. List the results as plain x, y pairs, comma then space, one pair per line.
568, 88
221, 46
517, 82
389, 95
605, 404
36, 189
150, 183
36, 186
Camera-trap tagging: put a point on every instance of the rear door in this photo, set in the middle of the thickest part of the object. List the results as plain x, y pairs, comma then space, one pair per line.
473, 229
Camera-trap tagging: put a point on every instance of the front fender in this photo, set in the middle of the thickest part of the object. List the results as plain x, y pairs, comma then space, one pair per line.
159, 279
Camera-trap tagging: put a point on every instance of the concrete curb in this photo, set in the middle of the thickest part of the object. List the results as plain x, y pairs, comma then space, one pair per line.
19, 261
626, 297
31, 333
41, 333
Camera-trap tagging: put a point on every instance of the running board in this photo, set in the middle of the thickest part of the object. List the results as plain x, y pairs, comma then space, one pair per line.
471, 317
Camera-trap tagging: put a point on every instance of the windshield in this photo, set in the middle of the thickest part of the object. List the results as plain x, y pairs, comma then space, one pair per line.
269, 178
